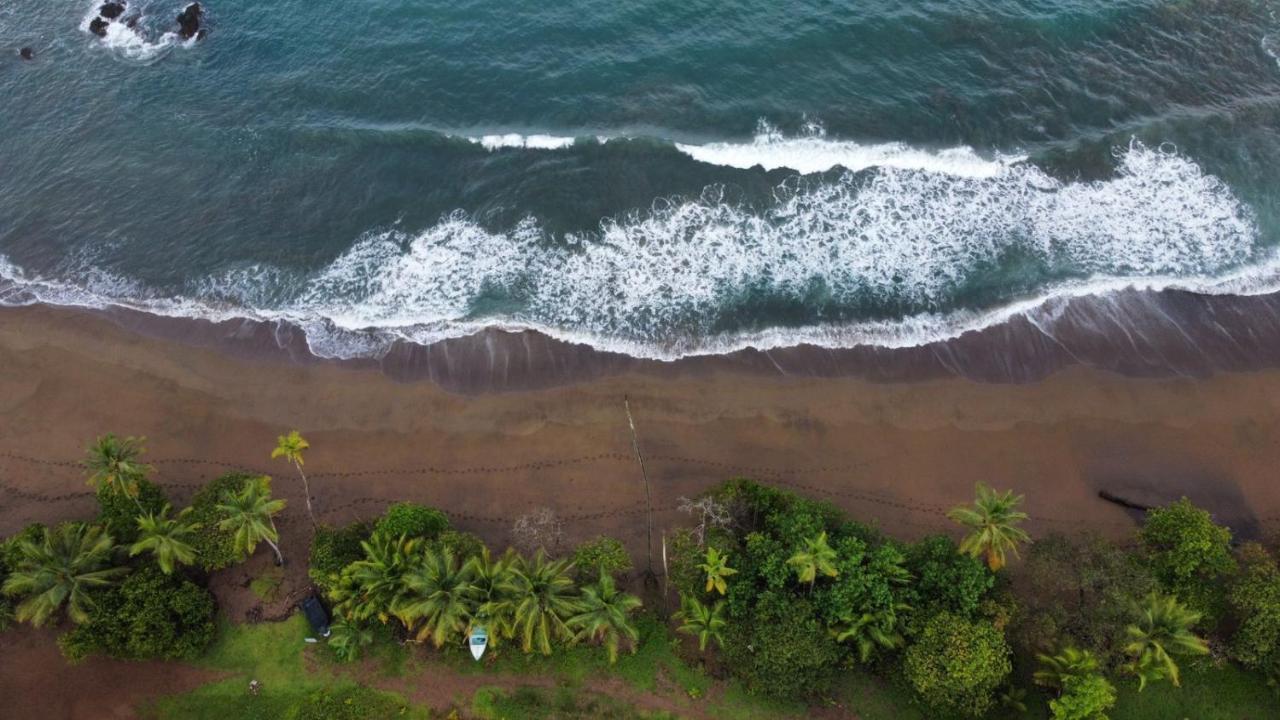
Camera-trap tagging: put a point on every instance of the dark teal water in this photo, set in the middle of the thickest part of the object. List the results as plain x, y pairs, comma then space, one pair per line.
655, 176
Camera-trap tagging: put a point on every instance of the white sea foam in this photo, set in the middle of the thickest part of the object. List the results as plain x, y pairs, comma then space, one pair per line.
134, 43
516, 140
663, 283
813, 152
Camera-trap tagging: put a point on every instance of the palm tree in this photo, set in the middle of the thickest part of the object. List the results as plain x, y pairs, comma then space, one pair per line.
62, 568
1162, 631
1072, 662
438, 597
816, 558
706, 623
871, 630
249, 515
290, 448
371, 587
716, 566
346, 638
993, 524
496, 587
113, 465
166, 538
544, 600
604, 616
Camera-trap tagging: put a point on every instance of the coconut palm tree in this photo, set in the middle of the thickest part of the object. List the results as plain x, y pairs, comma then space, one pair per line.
346, 638
249, 515
716, 566
61, 569
702, 621
814, 559
872, 630
290, 447
438, 597
993, 525
371, 587
1163, 630
1070, 663
166, 538
545, 598
496, 587
604, 616
113, 465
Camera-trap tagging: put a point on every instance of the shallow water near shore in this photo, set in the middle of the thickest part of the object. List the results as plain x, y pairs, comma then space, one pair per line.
658, 179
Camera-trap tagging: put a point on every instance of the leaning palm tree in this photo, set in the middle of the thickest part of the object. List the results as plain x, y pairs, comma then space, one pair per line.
604, 616
1070, 663
370, 587
872, 630
438, 597
113, 465
248, 514
814, 559
545, 599
702, 621
993, 525
167, 538
61, 569
1162, 631
716, 567
496, 587
290, 448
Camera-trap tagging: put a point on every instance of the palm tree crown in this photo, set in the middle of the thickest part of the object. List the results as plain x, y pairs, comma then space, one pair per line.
871, 630
371, 587
716, 566
438, 597
702, 621
993, 524
290, 447
814, 559
248, 514
544, 600
604, 616
113, 465
166, 538
1072, 662
1162, 631
496, 588
62, 568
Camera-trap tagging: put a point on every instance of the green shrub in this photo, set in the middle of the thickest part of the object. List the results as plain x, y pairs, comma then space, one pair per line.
148, 615
602, 554
1254, 598
1084, 698
333, 549
462, 544
782, 649
351, 702
215, 549
118, 512
957, 664
1079, 592
412, 520
944, 579
1188, 553
9, 559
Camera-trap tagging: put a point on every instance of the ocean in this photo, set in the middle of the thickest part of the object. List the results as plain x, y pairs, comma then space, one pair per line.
661, 179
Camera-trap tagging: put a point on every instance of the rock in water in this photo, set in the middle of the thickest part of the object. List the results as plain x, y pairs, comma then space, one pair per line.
26, 53
98, 27
189, 22
111, 10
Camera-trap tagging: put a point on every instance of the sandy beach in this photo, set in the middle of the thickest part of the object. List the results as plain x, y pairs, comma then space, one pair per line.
895, 455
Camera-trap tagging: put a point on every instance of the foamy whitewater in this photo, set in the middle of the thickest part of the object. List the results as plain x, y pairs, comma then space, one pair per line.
662, 284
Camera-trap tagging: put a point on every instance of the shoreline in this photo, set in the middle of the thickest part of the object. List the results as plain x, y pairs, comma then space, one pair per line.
1136, 333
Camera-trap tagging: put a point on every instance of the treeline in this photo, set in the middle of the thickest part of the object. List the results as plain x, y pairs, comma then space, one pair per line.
790, 592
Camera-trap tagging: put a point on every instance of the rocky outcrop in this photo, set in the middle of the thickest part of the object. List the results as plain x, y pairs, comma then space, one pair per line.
189, 22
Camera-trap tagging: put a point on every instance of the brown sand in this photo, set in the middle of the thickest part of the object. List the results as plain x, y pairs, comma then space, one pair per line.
896, 455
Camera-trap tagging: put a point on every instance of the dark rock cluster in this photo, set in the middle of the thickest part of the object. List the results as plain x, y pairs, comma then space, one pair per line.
190, 21
27, 53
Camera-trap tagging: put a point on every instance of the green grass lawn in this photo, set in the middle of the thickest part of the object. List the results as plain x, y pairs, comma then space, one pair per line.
272, 654
1208, 692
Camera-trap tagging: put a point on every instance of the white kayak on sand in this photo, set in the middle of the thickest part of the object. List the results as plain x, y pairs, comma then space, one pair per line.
478, 641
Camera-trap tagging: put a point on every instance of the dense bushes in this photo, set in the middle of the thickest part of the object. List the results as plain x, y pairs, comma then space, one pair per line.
1254, 599
781, 647
148, 615
412, 520
215, 548
1187, 553
943, 580
604, 554
956, 665
333, 549
118, 512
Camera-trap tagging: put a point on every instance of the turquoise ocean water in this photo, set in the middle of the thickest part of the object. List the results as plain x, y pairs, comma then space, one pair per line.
662, 178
